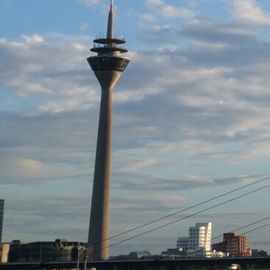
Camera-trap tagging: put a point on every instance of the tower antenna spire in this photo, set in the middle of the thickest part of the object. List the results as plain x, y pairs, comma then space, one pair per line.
110, 29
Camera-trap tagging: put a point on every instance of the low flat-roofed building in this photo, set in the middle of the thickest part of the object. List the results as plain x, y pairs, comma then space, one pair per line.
59, 250
259, 253
182, 243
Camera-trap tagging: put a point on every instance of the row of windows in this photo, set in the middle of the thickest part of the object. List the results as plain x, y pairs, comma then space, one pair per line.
104, 63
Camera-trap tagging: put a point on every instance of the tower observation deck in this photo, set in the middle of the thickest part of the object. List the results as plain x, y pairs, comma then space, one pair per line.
109, 54
108, 66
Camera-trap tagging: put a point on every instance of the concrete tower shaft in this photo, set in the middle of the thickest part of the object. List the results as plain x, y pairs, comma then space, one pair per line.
108, 66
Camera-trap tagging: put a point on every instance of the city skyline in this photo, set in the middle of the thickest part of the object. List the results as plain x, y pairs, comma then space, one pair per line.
191, 115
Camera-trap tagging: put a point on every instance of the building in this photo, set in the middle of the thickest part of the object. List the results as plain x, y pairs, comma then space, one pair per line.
108, 66
134, 255
234, 245
259, 253
1, 218
198, 242
4, 251
139, 255
174, 253
217, 254
221, 246
200, 239
59, 250
182, 243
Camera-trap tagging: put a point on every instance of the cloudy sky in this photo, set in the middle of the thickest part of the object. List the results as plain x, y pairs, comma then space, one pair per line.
191, 117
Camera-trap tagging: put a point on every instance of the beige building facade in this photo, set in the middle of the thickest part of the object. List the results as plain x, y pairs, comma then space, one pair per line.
1, 218
4, 251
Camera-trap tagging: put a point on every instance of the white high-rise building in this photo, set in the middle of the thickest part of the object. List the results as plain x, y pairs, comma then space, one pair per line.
200, 239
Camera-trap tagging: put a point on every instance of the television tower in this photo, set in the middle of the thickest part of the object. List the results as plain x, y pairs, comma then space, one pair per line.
108, 66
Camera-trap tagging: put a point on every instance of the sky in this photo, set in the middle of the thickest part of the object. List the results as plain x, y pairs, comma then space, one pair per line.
191, 117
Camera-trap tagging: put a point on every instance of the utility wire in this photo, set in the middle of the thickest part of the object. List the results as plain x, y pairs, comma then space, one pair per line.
187, 208
188, 216
262, 179
256, 229
243, 227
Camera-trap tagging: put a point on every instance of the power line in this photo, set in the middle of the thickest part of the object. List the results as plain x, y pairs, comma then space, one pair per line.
188, 216
243, 227
256, 229
181, 211
187, 208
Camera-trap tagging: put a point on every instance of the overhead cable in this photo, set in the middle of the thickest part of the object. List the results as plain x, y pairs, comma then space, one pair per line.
189, 208
243, 227
188, 216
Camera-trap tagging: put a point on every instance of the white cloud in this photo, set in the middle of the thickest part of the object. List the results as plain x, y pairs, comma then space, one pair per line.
180, 114
170, 11
249, 11
84, 27
24, 170
60, 72
198, 79
78, 97
137, 164
148, 17
88, 3
33, 39
154, 202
